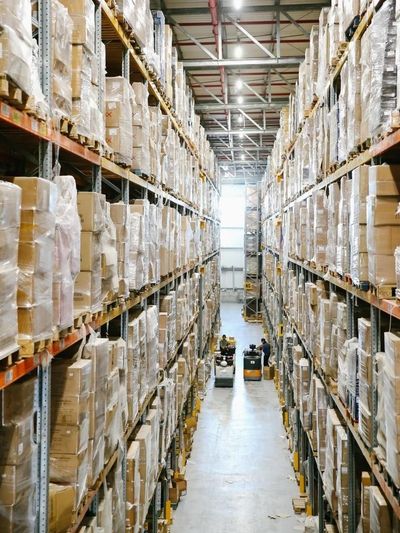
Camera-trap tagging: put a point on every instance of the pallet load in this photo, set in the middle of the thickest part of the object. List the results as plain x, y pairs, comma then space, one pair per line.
10, 206
35, 259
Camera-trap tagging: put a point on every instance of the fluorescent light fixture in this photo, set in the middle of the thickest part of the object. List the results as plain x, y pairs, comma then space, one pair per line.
238, 51
240, 119
239, 83
237, 4
242, 157
240, 99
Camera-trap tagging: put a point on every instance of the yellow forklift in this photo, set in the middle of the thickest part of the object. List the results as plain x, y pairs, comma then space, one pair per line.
252, 364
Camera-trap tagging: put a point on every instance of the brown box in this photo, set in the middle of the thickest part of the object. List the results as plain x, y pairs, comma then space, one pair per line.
269, 372
16, 442
69, 410
35, 322
90, 209
61, 505
15, 480
70, 439
36, 256
87, 294
383, 240
71, 378
384, 180
90, 251
381, 269
115, 113
381, 211
36, 224
16, 401
69, 468
37, 193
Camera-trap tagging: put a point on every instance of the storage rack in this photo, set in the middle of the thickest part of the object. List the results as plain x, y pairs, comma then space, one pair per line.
252, 258
376, 306
27, 135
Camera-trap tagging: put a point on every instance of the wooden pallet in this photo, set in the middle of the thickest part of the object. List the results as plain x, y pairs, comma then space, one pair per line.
9, 354
69, 128
15, 96
342, 47
384, 292
299, 504
60, 333
29, 348
83, 318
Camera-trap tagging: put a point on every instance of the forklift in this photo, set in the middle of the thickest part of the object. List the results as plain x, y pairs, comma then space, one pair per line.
224, 362
252, 364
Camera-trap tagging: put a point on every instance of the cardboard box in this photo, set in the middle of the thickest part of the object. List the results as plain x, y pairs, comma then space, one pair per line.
15, 480
90, 252
90, 208
269, 372
37, 193
71, 379
17, 401
69, 439
35, 322
384, 180
68, 468
61, 505
16, 442
36, 224
87, 294
69, 410
36, 256
383, 240
381, 211
381, 270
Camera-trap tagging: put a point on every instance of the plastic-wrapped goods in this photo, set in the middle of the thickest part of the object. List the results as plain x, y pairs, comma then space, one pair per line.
142, 208
320, 227
10, 205
348, 9
383, 231
16, 57
154, 243
331, 465
379, 361
18, 457
141, 138
321, 404
82, 89
66, 251
133, 487
82, 15
35, 257
71, 390
358, 225
61, 35
379, 511
120, 216
353, 105
342, 257
342, 477
133, 367
119, 118
109, 258
88, 284
333, 202
391, 395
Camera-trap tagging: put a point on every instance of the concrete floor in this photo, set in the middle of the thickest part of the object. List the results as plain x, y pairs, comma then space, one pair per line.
239, 472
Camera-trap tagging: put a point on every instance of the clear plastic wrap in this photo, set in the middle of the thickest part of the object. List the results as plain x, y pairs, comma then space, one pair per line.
109, 259
16, 57
82, 15
379, 511
61, 34
119, 118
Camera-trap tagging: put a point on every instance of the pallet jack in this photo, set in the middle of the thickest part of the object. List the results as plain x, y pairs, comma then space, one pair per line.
252, 364
224, 364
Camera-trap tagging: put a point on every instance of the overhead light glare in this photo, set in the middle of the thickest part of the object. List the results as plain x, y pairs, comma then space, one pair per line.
238, 51
240, 119
237, 4
241, 135
240, 100
239, 83
242, 157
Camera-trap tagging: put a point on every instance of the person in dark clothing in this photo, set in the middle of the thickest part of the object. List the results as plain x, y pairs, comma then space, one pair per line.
266, 350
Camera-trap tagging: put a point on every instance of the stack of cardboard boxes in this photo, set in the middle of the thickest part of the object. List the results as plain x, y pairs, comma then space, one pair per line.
10, 202
35, 258
88, 288
18, 457
120, 216
119, 102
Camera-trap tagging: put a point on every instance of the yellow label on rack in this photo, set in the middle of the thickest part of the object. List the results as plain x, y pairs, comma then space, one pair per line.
279, 177
279, 269
280, 330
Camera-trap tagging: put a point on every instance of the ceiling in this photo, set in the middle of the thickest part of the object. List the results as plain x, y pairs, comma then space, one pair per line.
259, 43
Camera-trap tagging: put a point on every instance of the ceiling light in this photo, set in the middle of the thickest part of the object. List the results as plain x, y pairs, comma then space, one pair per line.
240, 99
241, 135
242, 157
237, 4
238, 51
240, 119
239, 83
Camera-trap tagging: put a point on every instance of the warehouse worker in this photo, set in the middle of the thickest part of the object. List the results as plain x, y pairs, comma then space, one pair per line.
223, 343
266, 350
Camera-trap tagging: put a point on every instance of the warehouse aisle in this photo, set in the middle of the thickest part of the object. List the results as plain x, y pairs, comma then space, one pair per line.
239, 472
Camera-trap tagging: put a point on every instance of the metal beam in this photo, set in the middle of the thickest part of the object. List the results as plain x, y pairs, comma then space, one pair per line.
283, 62
219, 150
255, 131
210, 93
304, 6
295, 23
189, 36
278, 104
251, 37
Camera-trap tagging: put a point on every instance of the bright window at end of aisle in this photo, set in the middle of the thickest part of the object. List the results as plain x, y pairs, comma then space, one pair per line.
232, 206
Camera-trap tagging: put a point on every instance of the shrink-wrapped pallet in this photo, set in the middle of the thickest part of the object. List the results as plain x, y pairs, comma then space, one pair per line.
119, 101
10, 205
35, 257
82, 15
358, 225
109, 258
61, 34
120, 216
66, 251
